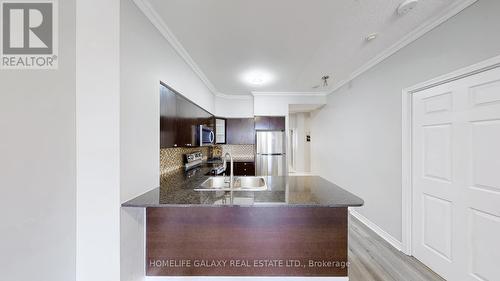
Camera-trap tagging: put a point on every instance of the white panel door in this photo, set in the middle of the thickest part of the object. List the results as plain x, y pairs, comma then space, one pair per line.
456, 177
435, 193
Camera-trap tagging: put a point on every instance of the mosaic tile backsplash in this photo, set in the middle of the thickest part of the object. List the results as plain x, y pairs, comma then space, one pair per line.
171, 159
240, 152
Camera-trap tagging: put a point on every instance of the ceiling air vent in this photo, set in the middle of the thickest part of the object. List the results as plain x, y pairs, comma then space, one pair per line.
405, 7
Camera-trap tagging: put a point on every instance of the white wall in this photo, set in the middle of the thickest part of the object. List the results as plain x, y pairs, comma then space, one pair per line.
234, 107
361, 124
146, 59
277, 104
300, 123
98, 140
37, 166
133, 255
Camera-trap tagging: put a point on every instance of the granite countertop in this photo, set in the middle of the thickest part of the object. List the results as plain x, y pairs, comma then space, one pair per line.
243, 158
177, 190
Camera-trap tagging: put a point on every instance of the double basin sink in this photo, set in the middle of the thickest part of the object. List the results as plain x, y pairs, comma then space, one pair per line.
240, 184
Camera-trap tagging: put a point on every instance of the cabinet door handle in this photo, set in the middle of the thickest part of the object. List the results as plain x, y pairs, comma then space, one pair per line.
212, 137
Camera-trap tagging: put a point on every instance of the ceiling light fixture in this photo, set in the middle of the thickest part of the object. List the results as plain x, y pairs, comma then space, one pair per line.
257, 77
325, 80
405, 7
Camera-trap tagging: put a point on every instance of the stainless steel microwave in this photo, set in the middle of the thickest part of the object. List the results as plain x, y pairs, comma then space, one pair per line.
207, 136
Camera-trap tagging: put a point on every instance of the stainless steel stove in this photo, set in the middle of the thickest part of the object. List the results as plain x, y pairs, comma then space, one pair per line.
192, 160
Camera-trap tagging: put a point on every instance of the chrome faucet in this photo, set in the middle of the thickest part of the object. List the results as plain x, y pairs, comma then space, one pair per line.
231, 182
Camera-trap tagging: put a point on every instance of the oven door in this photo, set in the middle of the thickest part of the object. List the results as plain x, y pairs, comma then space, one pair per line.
207, 135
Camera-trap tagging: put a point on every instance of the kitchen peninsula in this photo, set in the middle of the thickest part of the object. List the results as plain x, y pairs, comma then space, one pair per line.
296, 227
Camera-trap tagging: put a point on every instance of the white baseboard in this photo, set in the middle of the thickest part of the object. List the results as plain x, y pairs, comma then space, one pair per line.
379, 231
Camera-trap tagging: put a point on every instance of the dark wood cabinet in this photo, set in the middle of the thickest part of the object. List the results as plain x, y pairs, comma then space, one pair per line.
270, 123
180, 120
186, 131
241, 168
277, 123
244, 169
317, 234
261, 123
240, 131
168, 118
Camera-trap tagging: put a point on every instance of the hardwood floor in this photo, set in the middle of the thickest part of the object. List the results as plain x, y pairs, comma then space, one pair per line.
372, 258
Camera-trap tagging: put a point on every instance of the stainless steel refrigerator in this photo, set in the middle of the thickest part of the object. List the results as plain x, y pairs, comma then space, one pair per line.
271, 156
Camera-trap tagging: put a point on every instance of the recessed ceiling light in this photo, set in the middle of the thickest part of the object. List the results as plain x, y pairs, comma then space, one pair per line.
257, 77
405, 7
371, 37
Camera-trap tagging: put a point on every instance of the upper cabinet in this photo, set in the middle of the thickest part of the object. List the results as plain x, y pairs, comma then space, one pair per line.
220, 130
186, 123
270, 123
168, 118
180, 120
240, 131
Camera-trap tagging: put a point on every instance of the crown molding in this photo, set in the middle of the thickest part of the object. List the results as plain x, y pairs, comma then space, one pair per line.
233, 97
304, 94
148, 10
427, 26
146, 7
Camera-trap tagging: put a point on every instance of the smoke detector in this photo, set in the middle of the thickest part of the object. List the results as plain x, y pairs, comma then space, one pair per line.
405, 7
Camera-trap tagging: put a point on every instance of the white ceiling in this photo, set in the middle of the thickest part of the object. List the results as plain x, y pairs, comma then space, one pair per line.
298, 41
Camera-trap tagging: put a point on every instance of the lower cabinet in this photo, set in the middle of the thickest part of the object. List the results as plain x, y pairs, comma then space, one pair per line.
241, 168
